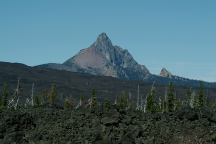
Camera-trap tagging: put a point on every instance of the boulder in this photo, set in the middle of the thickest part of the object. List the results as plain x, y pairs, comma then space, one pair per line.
109, 120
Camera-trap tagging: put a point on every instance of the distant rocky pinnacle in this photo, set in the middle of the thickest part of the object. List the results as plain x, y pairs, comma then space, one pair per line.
103, 58
165, 73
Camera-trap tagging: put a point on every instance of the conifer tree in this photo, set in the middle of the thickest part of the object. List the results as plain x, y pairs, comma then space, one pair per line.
201, 97
37, 100
93, 100
214, 105
123, 101
160, 105
68, 104
193, 101
44, 96
177, 104
188, 96
52, 95
150, 101
164, 106
5, 95
164, 103
138, 98
107, 105
170, 98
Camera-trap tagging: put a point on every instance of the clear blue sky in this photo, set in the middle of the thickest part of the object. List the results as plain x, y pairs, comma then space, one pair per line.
177, 34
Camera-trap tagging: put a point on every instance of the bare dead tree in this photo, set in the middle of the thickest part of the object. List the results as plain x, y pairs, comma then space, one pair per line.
16, 103
130, 96
27, 102
90, 102
15, 99
129, 100
30, 100
116, 101
80, 103
160, 103
144, 105
138, 99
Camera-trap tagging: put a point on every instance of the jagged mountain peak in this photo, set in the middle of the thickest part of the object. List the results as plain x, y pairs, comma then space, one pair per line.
103, 58
165, 73
103, 37
102, 42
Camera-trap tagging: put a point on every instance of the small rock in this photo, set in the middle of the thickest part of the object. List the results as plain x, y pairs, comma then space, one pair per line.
188, 114
192, 116
109, 120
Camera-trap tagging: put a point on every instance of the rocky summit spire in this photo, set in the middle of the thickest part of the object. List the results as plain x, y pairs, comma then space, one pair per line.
165, 73
102, 58
103, 41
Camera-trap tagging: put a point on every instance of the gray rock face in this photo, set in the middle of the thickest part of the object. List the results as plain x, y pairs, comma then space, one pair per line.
103, 58
165, 73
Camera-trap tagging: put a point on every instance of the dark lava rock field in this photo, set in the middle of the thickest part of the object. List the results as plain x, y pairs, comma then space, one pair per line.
46, 125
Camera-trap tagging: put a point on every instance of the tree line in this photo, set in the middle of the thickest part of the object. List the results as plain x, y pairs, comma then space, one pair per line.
151, 104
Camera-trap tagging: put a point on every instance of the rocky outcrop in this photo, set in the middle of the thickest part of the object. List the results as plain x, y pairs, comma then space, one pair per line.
165, 73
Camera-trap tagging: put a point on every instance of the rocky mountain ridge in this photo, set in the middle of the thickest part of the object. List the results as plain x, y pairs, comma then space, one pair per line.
102, 58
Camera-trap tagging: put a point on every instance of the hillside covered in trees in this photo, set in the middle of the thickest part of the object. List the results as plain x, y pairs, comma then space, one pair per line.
75, 85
